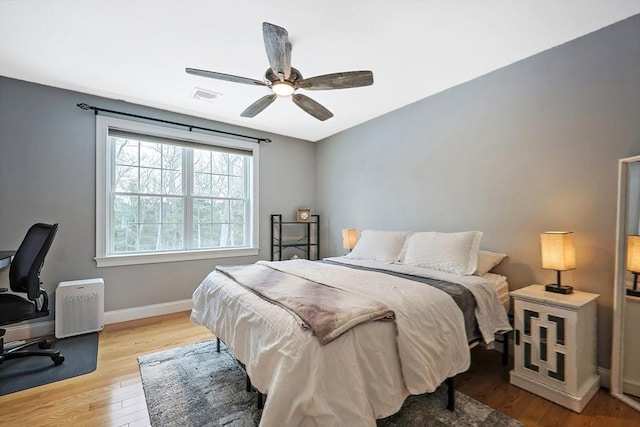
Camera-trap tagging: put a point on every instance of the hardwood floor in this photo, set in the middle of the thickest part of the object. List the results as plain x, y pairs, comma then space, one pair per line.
113, 396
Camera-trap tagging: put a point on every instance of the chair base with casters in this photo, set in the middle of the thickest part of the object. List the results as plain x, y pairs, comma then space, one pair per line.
10, 306
20, 351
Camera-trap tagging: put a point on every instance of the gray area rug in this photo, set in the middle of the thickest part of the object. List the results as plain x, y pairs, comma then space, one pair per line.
195, 386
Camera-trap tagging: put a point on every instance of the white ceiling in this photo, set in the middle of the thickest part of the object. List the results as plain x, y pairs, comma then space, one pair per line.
137, 50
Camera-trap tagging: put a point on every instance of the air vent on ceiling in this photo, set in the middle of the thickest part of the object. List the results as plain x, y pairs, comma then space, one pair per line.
200, 94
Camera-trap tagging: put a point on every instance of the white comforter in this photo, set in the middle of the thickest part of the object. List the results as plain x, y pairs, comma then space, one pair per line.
364, 374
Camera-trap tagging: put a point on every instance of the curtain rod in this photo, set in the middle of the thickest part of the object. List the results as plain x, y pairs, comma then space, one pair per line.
191, 127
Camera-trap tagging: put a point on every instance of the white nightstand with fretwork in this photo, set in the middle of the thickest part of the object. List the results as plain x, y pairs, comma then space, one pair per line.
555, 345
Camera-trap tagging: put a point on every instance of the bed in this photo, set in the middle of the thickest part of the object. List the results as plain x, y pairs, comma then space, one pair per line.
366, 372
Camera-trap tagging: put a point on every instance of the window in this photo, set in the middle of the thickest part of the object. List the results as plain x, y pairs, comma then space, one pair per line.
166, 195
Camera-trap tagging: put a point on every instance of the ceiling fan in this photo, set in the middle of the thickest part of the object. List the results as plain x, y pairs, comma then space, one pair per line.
284, 80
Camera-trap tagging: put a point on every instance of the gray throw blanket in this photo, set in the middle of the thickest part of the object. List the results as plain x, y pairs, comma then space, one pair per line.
326, 310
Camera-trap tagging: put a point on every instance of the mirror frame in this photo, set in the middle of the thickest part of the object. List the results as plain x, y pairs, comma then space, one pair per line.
617, 351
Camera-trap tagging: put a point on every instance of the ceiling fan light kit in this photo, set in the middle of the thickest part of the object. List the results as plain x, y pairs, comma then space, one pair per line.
283, 88
284, 80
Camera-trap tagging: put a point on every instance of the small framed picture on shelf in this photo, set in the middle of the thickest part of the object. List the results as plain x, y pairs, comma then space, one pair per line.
303, 215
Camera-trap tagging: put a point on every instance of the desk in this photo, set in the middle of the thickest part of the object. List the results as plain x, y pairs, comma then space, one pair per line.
5, 259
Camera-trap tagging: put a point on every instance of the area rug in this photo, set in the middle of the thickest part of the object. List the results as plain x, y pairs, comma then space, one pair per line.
80, 357
195, 386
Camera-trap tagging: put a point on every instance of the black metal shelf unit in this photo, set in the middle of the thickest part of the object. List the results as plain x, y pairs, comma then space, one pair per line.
283, 237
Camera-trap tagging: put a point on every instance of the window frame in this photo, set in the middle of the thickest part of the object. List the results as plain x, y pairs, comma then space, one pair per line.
103, 178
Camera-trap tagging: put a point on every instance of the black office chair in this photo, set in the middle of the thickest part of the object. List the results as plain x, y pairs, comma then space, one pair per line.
24, 277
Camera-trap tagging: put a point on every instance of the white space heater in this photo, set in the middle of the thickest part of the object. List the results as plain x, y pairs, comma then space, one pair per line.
79, 307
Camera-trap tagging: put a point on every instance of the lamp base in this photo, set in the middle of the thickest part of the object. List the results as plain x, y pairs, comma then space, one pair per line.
562, 289
633, 292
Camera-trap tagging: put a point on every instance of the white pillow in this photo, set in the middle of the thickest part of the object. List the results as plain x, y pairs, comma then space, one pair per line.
486, 261
376, 245
455, 253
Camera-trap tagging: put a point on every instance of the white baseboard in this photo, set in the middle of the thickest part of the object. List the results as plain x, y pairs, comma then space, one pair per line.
124, 315
39, 329
605, 377
631, 387
29, 330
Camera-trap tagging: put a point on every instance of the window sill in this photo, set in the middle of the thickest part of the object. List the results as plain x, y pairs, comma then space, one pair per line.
152, 258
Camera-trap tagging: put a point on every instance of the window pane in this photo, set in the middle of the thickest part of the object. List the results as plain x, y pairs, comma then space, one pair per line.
126, 152
172, 210
220, 186
150, 210
237, 211
124, 220
149, 234
201, 184
237, 235
236, 165
126, 179
172, 157
220, 163
150, 181
150, 154
201, 161
125, 238
171, 236
171, 182
202, 235
125, 210
237, 187
202, 211
220, 234
221, 211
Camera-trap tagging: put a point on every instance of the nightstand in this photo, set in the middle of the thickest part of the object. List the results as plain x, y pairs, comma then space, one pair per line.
555, 345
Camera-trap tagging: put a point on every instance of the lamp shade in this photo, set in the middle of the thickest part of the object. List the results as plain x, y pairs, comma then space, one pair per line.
349, 238
633, 254
557, 250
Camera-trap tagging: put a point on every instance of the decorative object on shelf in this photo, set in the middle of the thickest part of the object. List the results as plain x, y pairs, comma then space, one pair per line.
633, 263
349, 238
303, 215
558, 253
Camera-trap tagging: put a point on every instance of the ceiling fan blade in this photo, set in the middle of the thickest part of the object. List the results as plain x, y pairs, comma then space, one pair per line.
262, 103
344, 80
276, 41
311, 107
226, 77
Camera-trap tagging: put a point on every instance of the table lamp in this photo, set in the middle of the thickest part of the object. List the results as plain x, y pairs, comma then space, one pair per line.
349, 238
633, 263
558, 253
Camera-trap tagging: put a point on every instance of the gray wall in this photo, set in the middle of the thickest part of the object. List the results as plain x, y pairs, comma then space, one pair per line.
525, 149
47, 174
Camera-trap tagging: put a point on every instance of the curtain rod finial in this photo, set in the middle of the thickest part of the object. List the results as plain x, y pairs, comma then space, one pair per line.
84, 106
